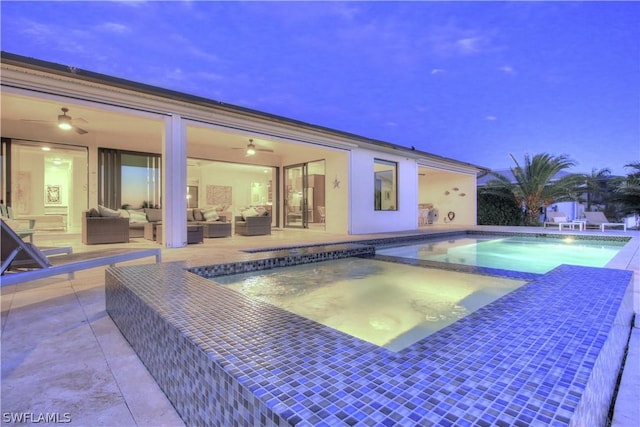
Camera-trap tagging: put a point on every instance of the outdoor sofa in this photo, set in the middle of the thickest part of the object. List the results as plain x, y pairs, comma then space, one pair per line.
103, 225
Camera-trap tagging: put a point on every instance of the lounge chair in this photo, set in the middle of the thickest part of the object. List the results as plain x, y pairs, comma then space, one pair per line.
18, 254
554, 218
598, 220
22, 232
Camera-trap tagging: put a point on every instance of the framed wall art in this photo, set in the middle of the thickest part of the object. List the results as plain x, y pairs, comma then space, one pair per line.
52, 195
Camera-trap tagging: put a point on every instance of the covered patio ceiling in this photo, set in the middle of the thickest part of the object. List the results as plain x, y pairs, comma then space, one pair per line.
34, 118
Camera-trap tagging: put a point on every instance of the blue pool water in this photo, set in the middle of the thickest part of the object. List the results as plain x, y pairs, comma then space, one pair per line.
528, 254
388, 304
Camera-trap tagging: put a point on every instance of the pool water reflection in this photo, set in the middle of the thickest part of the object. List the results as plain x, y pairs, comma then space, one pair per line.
528, 254
388, 304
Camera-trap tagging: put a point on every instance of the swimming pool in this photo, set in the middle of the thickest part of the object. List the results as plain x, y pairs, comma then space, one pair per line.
518, 253
547, 353
387, 304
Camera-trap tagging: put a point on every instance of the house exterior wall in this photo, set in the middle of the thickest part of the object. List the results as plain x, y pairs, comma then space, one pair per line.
349, 159
363, 218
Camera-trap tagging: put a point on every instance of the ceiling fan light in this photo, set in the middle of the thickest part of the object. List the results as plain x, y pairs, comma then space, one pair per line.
251, 149
64, 122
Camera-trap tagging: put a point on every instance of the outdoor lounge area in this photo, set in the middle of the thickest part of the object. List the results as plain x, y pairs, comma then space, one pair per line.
106, 352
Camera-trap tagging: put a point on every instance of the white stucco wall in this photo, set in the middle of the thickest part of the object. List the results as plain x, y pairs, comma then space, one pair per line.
364, 219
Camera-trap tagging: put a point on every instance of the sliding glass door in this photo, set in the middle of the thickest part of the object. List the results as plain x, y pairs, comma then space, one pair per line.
295, 196
304, 196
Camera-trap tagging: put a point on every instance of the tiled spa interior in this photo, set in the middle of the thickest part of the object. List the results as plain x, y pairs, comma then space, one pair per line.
546, 354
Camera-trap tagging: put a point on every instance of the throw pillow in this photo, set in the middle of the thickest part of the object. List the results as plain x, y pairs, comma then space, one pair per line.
137, 217
249, 212
123, 213
106, 212
93, 212
210, 215
190, 215
197, 215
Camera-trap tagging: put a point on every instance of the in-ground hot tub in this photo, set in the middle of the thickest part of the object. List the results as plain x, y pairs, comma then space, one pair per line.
549, 352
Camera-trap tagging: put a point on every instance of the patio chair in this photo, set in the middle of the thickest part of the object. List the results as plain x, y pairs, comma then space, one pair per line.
18, 254
598, 220
22, 232
554, 218
253, 225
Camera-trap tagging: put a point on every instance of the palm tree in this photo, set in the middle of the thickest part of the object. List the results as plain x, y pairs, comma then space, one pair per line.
627, 193
534, 189
595, 190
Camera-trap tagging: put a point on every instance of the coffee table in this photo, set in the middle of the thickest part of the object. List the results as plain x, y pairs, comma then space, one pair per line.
195, 234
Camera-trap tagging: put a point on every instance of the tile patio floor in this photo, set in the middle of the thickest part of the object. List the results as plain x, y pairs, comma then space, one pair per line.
61, 354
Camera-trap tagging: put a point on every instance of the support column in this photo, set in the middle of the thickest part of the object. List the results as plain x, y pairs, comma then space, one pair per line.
174, 182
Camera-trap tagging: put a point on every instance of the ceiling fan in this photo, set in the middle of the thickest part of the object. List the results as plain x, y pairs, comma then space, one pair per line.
251, 149
65, 122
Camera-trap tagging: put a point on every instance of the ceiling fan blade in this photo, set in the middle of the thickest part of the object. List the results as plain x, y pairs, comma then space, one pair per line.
266, 150
80, 130
36, 121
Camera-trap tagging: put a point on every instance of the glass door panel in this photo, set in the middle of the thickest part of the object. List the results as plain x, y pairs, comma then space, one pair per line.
304, 195
315, 183
295, 196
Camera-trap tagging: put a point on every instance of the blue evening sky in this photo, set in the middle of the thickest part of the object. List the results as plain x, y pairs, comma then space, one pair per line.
473, 81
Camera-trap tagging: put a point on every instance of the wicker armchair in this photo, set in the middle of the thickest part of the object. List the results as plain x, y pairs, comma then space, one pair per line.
253, 225
97, 230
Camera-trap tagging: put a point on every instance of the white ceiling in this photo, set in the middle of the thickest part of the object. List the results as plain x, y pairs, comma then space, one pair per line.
27, 117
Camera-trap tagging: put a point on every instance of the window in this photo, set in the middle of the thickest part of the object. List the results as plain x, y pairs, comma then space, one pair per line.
128, 179
385, 185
